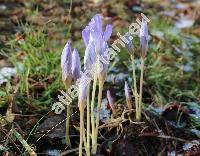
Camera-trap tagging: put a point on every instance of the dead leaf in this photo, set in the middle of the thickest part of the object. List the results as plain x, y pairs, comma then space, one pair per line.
197, 31
10, 116
53, 127
4, 63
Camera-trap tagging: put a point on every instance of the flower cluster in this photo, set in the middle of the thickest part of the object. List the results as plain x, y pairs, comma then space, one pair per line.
96, 61
95, 40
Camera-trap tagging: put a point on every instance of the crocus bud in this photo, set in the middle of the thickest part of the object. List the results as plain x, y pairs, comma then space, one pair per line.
144, 38
76, 65
86, 35
66, 64
110, 100
128, 96
82, 93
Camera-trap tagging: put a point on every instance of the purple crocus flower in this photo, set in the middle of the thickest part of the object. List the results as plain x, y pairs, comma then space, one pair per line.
76, 65
144, 38
128, 96
95, 40
97, 35
94, 33
66, 64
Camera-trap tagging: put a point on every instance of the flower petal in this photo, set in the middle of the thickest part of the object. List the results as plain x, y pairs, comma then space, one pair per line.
144, 29
107, 32
86, 35
144, 37
89, 58
104, 57
96, 23
76, 65
66, 50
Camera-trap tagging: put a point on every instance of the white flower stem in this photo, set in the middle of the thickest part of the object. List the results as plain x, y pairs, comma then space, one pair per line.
67, 126
135, 87
94, 149
141, 85
67, 123
81, 108
85, 143
88, 119
92, 109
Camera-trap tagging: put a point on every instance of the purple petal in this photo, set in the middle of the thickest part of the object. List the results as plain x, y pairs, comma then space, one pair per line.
66, 50
107, 32
144, 37
89, 57
97, 39
66, 61
104, 57
86, 35
144, 29
143, 45
96, 23
76, 65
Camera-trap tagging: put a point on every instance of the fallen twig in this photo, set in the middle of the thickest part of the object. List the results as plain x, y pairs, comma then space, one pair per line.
70, 151
162, 136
